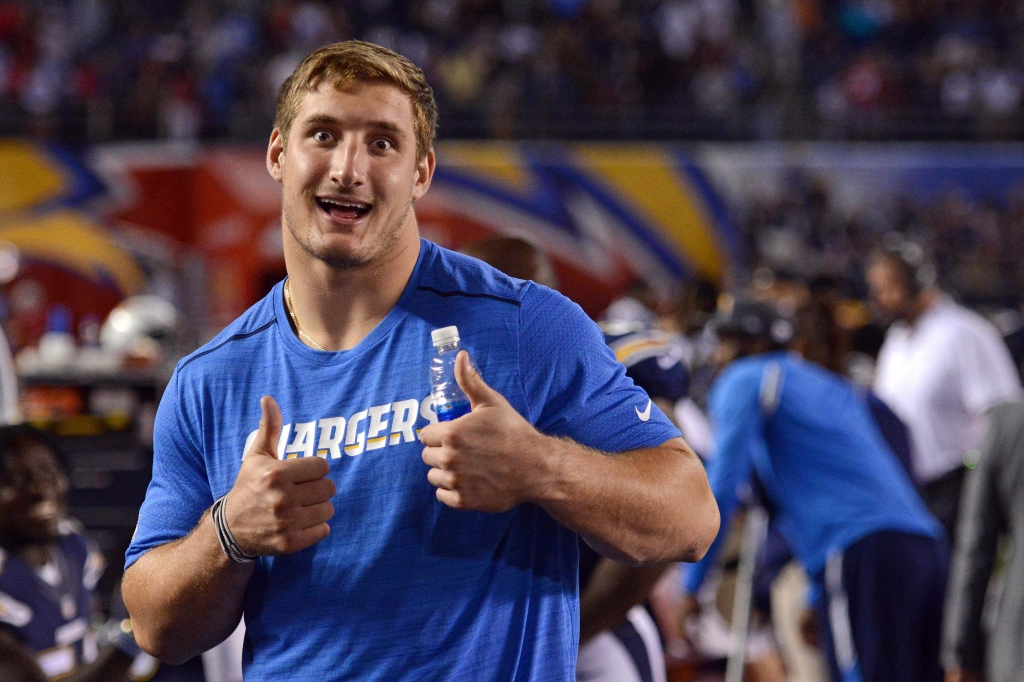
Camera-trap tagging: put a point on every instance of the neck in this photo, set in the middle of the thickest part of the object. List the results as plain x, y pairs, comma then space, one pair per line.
922, 302
339, 307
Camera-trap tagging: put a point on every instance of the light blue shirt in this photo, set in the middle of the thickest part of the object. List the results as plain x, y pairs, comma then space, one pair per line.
404, 588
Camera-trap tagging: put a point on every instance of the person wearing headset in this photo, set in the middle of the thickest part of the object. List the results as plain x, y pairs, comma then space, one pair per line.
941, 369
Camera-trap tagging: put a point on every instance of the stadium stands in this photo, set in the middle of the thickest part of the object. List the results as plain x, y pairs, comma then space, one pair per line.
93, 70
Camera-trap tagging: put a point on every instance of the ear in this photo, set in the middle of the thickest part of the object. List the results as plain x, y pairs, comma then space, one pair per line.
424, 174
275, 155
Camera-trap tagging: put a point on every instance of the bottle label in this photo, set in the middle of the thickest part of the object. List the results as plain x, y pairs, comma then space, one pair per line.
450, 411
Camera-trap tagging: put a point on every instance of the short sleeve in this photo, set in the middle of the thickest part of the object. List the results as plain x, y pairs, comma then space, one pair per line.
573, 385
987, 374
179, 491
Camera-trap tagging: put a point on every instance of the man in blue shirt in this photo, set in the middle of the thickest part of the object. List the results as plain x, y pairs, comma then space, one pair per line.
875, 556
300, 476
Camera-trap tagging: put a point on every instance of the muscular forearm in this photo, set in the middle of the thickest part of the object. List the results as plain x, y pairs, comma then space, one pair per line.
613, 590
637, 507
186, 596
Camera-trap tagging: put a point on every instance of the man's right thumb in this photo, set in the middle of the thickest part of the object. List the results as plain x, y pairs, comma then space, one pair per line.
270, 428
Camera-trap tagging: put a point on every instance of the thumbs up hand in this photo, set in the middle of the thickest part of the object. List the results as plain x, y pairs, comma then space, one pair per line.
488, 460
278, 506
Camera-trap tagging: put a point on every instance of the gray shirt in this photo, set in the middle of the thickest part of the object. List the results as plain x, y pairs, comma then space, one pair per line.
992, 506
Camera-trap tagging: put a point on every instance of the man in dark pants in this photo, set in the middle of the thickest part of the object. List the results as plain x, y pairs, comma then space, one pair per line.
875, 556
993, 506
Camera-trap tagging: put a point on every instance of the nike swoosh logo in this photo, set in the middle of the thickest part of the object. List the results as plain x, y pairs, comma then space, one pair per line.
646, 414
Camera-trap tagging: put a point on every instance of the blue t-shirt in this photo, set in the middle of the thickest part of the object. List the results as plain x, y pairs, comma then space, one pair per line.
404, 588
818, 453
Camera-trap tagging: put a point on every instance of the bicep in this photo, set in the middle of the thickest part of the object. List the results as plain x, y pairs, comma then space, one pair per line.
179, 490
574, 384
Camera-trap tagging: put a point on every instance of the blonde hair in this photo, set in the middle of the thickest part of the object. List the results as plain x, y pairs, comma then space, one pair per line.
355, 61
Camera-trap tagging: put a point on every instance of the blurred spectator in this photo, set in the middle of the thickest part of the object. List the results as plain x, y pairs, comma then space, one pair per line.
992, 507
48, 574
47, 569
874, 554
941, 368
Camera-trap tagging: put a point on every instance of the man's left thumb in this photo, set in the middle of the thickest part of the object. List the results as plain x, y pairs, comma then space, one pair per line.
476, 389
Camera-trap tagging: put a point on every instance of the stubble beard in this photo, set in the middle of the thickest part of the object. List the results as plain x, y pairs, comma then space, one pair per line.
381, 243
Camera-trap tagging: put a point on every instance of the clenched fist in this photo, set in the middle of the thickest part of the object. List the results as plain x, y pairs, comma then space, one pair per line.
278, 506
490, 459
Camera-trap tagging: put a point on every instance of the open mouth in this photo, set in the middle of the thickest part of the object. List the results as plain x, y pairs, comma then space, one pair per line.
343, 210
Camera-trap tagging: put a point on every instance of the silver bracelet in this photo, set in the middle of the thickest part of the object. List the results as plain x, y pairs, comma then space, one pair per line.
227, 540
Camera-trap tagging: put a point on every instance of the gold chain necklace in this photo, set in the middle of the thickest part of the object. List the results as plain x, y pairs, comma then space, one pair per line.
291, 314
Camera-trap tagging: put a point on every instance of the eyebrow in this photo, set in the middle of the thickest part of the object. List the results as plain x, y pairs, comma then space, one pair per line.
377, 124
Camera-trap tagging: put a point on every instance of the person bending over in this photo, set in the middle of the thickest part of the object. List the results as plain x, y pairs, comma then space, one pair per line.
875, 556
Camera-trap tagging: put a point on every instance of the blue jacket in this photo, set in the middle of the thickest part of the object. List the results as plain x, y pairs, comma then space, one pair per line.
812, 441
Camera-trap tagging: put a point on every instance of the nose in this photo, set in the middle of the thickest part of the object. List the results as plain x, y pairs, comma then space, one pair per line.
348, 163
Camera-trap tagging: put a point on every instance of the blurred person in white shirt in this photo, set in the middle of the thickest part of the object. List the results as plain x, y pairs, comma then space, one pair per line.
941, 369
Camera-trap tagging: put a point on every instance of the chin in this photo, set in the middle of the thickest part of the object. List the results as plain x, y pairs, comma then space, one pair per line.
351, 255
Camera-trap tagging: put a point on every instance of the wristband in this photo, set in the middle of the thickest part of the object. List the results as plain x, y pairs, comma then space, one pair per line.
227, 540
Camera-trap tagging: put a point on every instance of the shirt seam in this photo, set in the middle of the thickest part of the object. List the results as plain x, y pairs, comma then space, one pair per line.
180, 422
467, 294
519, 361
233, 337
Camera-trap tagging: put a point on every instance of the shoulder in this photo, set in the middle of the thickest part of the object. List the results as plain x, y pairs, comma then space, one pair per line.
257, 320
895, 336
474, 288
741, 379
451, 275
744, 370
974, 325
949, 320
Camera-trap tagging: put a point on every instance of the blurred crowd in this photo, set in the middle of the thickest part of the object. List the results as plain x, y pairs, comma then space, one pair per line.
976, 243
943, 390
91, 70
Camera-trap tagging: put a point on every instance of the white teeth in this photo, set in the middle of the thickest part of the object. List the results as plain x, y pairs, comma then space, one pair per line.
351, 207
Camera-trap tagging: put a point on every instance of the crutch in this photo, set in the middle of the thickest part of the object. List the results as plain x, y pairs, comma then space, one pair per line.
755, 528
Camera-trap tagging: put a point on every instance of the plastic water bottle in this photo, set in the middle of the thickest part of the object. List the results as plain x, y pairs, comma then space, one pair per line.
450, 402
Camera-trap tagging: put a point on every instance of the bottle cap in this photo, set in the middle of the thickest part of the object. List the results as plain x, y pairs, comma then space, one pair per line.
444, 336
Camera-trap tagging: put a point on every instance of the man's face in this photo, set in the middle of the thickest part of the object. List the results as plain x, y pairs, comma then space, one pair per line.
889, 291
349, 173
33, 494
